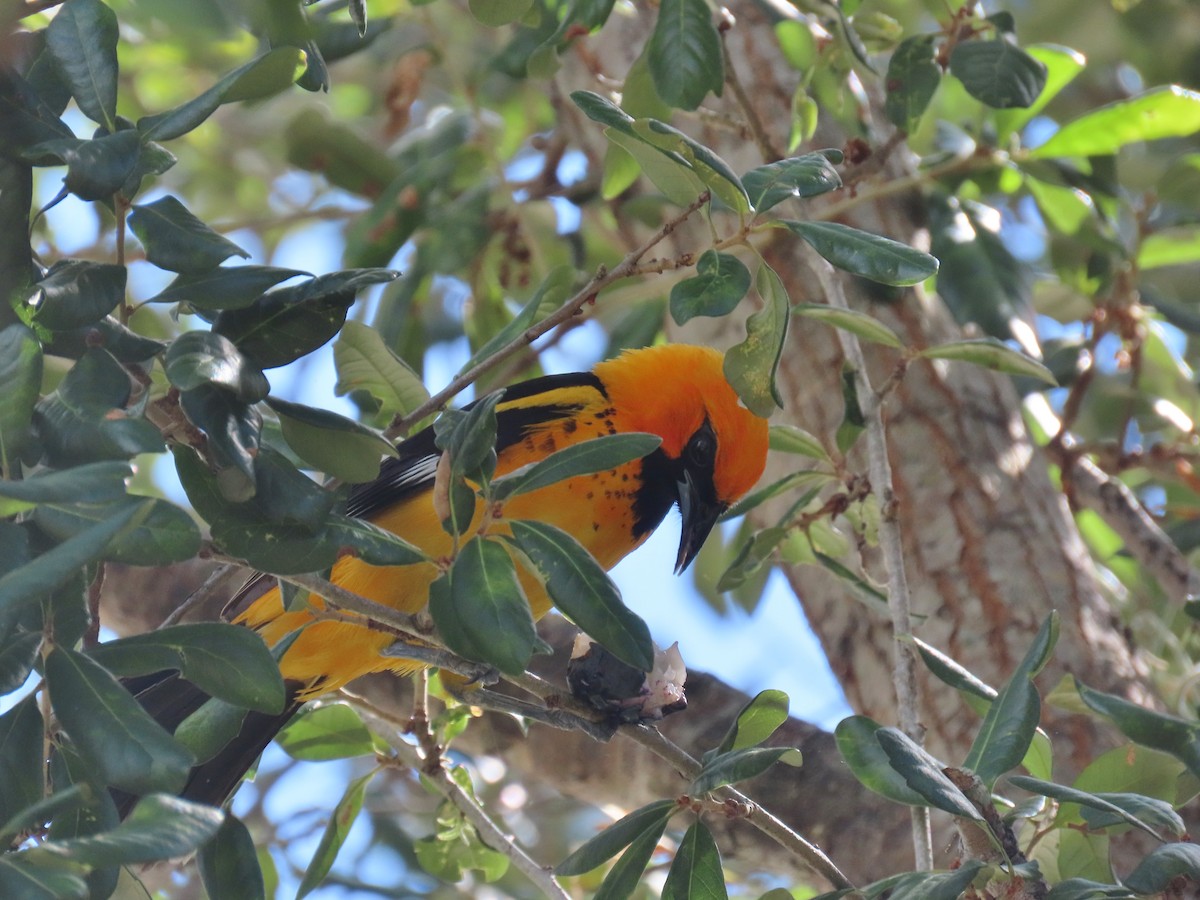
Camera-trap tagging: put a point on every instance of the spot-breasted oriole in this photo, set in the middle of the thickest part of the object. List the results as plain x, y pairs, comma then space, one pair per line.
713, 450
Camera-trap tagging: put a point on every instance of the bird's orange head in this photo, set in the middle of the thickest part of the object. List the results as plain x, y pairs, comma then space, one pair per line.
713, 448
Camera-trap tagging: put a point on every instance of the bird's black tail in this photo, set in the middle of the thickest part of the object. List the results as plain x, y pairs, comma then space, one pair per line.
169, 699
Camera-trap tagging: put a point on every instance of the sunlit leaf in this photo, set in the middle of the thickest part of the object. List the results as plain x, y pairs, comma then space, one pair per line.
1162, 112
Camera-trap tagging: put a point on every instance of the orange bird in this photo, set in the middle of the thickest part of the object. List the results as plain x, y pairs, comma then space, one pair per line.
713, 450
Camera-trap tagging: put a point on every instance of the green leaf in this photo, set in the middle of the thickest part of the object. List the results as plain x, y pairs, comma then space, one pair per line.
1162, 112
923, 773
160, 827
21, 761
1155, 813
1164, 865
1062, 65
696, 870
1083, 889
991, 354
75, 292
82, 37
582, 590
613, 839
226, 661
1177, 247
40, 879
998, 73
196, 358
750, 557
21, 375
750, 366
1008, 728
164, 534
622, 879
787, 438
953, 674
480, 610
61, 563
912, 79
329, 731
667, 171
1066, 209
127, 748
364, 362
98, 168
756, 721
290, 322
866, 758
90, 483
685, 54
584, 458
800, 177
374, 545
721, 283
1178, 737
228, 863
262, 77
234, 287
787, 482
176, 240
857, 323
713, 172
331, 443
740, 765
866, 255
600, 109
495, 13
335, 834
1065, 794
234, 431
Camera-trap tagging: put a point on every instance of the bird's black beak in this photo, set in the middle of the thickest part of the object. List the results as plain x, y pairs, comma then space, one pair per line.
700, 512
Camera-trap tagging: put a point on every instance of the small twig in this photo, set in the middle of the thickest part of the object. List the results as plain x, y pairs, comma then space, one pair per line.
437, 775
958, 165
91, 637
195, 598
765, 147
602, 279
891, 543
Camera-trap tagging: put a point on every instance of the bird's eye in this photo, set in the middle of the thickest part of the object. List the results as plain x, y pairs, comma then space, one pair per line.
702, 448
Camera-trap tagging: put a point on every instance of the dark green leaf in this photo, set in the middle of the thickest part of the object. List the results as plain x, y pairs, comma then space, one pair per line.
60, 564
865, 590
1158, 731
21, 375
739, 765
935, 885
228, 863
28, 121
696, 870
595, 455
18, 653
912, 79
991, 354
866, 255
750, 557
923, 774
336, 831
121, 342
1150, 810
82, 36
751, 365
226, 661
604, 111
176, 240
1082, 889
480, 610
1164, 865
998, 73
98, 168
612, 840
622, 879
75, 292
1161, 112
166, 534
757, 721
857, 323
127, 748
720, 284
211, 728
196, 358
469, 436
66, 806
374, 545
291, 322
23, 876
804, 176
330, 731
234, 287
582, 590
953, 674
760, 496
21, 760
499, 12
234, 431
685, 54
333, 444
89, 483
268, 74
1008, 728
160, 827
